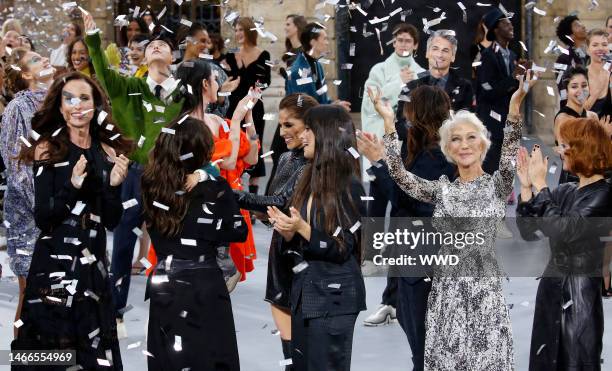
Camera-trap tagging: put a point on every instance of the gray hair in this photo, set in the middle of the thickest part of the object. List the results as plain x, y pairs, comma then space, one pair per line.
462, 116
448, 35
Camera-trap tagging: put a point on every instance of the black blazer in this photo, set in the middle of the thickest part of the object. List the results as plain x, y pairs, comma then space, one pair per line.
459, 90
331, 284
494, 72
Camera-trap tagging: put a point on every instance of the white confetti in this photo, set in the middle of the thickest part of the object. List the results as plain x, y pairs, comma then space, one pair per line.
300, 267
568, 304
353, 152
18, 323
25, 141
186, 156
141, 141
188, 242
495, 115
129, 203
269, 153
145, 263
101, 117
161, 206
355, 227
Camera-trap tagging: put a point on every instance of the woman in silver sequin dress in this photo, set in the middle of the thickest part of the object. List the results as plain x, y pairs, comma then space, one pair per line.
468, 325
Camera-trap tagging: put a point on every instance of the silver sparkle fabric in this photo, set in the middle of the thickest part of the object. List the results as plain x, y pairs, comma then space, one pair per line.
468, 324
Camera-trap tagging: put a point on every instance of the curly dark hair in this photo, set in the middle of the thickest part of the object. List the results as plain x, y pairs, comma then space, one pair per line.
571, 72
165, 172
564, 29
48, 119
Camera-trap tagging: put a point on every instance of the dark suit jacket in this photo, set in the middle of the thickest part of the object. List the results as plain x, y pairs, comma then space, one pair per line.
494, 72
459, 90
332, 283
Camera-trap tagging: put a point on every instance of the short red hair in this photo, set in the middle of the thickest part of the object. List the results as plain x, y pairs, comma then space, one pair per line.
590, 148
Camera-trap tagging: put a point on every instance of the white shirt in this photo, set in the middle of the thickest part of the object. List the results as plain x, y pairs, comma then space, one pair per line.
168, 86
58, 56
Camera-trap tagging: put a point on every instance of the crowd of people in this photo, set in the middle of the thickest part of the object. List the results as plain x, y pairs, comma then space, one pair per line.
154, 137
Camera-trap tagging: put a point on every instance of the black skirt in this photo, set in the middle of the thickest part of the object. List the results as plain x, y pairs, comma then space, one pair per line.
280, 274
191, 325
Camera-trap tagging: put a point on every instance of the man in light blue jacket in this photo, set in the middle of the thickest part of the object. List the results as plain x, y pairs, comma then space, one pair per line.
390, 76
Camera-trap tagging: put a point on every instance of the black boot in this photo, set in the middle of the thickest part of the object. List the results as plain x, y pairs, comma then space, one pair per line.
287, 352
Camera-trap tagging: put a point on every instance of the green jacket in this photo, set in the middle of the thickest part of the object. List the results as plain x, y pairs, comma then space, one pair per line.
135, 109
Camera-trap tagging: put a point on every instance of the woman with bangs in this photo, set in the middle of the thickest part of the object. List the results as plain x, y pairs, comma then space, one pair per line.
322, 231
568, 321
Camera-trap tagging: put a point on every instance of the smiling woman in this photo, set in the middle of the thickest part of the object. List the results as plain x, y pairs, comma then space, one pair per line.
79, 169
78, 59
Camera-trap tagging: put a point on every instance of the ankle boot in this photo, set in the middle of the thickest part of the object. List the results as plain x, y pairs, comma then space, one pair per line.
287, 352
253, 188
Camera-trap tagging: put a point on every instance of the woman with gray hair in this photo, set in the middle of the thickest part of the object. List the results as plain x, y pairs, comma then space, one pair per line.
468, 324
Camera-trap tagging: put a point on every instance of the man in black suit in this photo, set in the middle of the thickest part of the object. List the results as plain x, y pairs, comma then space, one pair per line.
441, 51
497, 81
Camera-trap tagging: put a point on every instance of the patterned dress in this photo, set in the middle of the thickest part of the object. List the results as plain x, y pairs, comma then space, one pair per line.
19, 198
468, 324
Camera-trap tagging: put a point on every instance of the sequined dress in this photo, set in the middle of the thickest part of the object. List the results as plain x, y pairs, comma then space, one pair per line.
468, 324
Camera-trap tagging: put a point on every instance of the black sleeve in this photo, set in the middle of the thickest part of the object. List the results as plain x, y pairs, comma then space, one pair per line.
51, 205
339, 249
112, 210
384, 182
220, 219
467, 96
255, 202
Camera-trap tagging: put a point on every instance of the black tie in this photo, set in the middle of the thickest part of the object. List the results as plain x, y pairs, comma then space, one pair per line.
158, 89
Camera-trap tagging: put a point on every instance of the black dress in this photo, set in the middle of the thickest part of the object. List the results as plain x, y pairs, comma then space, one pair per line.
256, 73
566, 176
68, 302
191, 325
568, 320
290, 167
603, 106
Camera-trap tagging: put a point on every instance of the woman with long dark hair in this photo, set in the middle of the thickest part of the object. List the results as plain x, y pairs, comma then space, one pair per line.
79, 159
291, 113
190, 322
426, 110
568, 322
322, 229
235, 150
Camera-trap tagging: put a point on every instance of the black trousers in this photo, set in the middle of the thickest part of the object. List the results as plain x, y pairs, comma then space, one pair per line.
411, 310
389, 296
322, 344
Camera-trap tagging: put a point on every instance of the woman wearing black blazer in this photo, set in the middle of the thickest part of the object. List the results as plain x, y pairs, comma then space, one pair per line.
322, 231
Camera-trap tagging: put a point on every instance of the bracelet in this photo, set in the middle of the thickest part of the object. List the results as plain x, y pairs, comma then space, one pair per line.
254, 137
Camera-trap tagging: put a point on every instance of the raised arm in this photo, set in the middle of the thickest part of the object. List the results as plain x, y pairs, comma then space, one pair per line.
113, 83
504, 177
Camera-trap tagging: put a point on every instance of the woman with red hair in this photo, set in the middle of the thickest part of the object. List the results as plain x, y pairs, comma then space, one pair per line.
568, 320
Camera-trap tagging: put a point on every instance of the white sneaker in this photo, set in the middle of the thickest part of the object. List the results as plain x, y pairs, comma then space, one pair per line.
384, 315
121, 330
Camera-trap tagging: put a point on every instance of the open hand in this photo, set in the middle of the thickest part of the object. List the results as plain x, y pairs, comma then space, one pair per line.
370, 146
538, 166
522, 167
